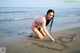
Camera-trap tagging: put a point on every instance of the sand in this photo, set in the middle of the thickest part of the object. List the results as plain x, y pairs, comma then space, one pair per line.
67, 41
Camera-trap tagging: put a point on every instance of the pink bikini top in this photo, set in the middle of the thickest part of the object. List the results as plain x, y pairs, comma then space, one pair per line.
38, 22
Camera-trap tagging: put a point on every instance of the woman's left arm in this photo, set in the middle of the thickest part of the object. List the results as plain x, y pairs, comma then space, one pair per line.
47, 33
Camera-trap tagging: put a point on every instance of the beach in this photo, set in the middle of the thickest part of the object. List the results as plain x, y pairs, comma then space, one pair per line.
15, 28
66, 41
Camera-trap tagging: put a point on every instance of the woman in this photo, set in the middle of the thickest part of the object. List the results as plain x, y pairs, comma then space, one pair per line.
39, 25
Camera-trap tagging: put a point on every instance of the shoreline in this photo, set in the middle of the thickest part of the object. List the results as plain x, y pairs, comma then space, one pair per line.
30, 45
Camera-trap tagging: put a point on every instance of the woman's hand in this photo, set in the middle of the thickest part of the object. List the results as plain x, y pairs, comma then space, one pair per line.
52, 40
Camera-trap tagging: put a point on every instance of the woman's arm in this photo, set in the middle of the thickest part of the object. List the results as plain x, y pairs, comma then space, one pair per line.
47, 33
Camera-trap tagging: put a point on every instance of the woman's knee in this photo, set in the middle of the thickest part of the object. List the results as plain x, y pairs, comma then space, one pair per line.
37, 32
33, 28
41, 29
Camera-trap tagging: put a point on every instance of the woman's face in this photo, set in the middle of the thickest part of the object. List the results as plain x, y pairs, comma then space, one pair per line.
50, 15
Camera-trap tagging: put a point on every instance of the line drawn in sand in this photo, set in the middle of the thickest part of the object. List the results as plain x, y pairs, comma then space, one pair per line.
59, 41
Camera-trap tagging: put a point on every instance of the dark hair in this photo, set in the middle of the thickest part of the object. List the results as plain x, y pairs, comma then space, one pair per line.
48, 21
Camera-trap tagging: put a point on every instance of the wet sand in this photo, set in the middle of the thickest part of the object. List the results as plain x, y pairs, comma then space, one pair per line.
67, 41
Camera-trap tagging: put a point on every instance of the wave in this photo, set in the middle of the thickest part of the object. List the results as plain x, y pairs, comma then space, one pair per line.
29, 17
70, 15
19, 11
12, 11
15, 19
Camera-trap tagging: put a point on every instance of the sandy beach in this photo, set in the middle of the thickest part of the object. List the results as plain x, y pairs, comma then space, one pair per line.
67, 41
15, 28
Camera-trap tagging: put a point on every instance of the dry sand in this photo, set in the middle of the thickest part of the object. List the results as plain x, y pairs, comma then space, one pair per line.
67, 41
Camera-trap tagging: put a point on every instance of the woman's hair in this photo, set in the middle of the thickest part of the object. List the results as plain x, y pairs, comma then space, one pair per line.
48, 21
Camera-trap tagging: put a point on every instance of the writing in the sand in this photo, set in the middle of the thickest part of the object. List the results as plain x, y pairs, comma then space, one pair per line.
61, 42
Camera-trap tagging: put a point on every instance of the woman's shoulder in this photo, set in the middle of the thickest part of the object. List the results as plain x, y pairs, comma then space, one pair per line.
44, 19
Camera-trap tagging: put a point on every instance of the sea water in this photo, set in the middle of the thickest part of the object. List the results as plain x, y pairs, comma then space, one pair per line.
18, 20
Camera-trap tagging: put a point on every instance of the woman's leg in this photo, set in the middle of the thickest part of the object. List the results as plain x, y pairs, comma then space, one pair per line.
42, 32
37, 32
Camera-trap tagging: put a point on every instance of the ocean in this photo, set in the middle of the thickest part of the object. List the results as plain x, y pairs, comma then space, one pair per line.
18, 20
